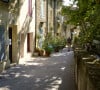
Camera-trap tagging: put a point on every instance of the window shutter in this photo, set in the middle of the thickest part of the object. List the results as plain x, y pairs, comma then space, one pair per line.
2, 43
30, 8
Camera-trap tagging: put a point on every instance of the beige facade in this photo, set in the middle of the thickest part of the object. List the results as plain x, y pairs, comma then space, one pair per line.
41, 19
40, 9
18, 21
26, 28
50, 15
21, 25
48, 22
54, 7
5, 22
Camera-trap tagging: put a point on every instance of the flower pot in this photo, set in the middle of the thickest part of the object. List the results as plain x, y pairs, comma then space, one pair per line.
41, 52
47, 54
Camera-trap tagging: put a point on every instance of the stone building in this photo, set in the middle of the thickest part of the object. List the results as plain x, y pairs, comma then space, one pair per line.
20, 23
41, 20
46, 17
53, 12
17, 30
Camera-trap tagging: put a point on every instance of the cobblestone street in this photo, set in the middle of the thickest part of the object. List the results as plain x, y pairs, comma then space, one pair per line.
41, 73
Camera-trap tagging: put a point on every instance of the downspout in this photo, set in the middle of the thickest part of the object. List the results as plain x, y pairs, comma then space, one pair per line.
35, 24
47, 17
54, 17
19, 36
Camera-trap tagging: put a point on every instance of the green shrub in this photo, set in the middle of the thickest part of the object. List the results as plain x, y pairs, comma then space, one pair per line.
51, 43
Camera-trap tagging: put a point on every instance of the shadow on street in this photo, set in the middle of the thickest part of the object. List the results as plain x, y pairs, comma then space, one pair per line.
49, 73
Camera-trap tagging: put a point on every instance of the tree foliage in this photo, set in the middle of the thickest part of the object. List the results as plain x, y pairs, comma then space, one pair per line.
87, 16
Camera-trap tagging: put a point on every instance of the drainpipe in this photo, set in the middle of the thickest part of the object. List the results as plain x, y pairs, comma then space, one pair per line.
47, 16
19, 37
35, 23
54, 17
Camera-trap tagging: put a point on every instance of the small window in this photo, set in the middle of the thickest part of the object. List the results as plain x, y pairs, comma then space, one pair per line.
42, 6
30, 8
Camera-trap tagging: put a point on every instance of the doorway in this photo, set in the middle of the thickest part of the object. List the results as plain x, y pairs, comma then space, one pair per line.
10, 46
22, 45
29, 42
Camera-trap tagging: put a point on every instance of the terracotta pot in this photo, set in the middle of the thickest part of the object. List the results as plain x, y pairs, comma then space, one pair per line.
47, 54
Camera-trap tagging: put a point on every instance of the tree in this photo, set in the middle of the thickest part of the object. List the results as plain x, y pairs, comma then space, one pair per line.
87, 16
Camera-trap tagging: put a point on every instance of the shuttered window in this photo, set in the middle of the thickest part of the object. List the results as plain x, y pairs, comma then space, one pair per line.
42, 9
30, 8
2, 43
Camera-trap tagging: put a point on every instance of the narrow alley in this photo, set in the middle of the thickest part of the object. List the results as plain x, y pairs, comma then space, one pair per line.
41, 73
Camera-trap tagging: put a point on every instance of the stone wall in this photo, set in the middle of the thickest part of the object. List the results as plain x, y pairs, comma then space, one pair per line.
86, 71
3, 21
50, 15
13, 15
38, 16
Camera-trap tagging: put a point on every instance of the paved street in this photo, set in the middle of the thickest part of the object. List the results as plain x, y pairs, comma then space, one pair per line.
41, 73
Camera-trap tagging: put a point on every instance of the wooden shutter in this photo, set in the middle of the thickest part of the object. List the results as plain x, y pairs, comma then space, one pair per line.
2, 43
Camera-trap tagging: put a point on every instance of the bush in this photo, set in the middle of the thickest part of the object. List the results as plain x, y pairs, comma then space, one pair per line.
47, 46
53, 43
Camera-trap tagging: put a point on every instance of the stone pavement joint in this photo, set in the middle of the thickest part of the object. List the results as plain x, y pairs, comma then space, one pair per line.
38, 73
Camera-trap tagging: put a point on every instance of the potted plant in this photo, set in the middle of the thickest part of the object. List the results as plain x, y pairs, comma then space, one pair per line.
48, 50
47, 46
56, 43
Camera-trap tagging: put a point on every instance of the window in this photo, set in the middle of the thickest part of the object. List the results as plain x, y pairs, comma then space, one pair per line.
42, 9
30, 8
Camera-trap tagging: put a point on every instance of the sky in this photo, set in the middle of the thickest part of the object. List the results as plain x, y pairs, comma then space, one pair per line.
67, 2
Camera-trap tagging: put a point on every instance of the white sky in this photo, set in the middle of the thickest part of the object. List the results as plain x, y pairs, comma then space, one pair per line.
67, 2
